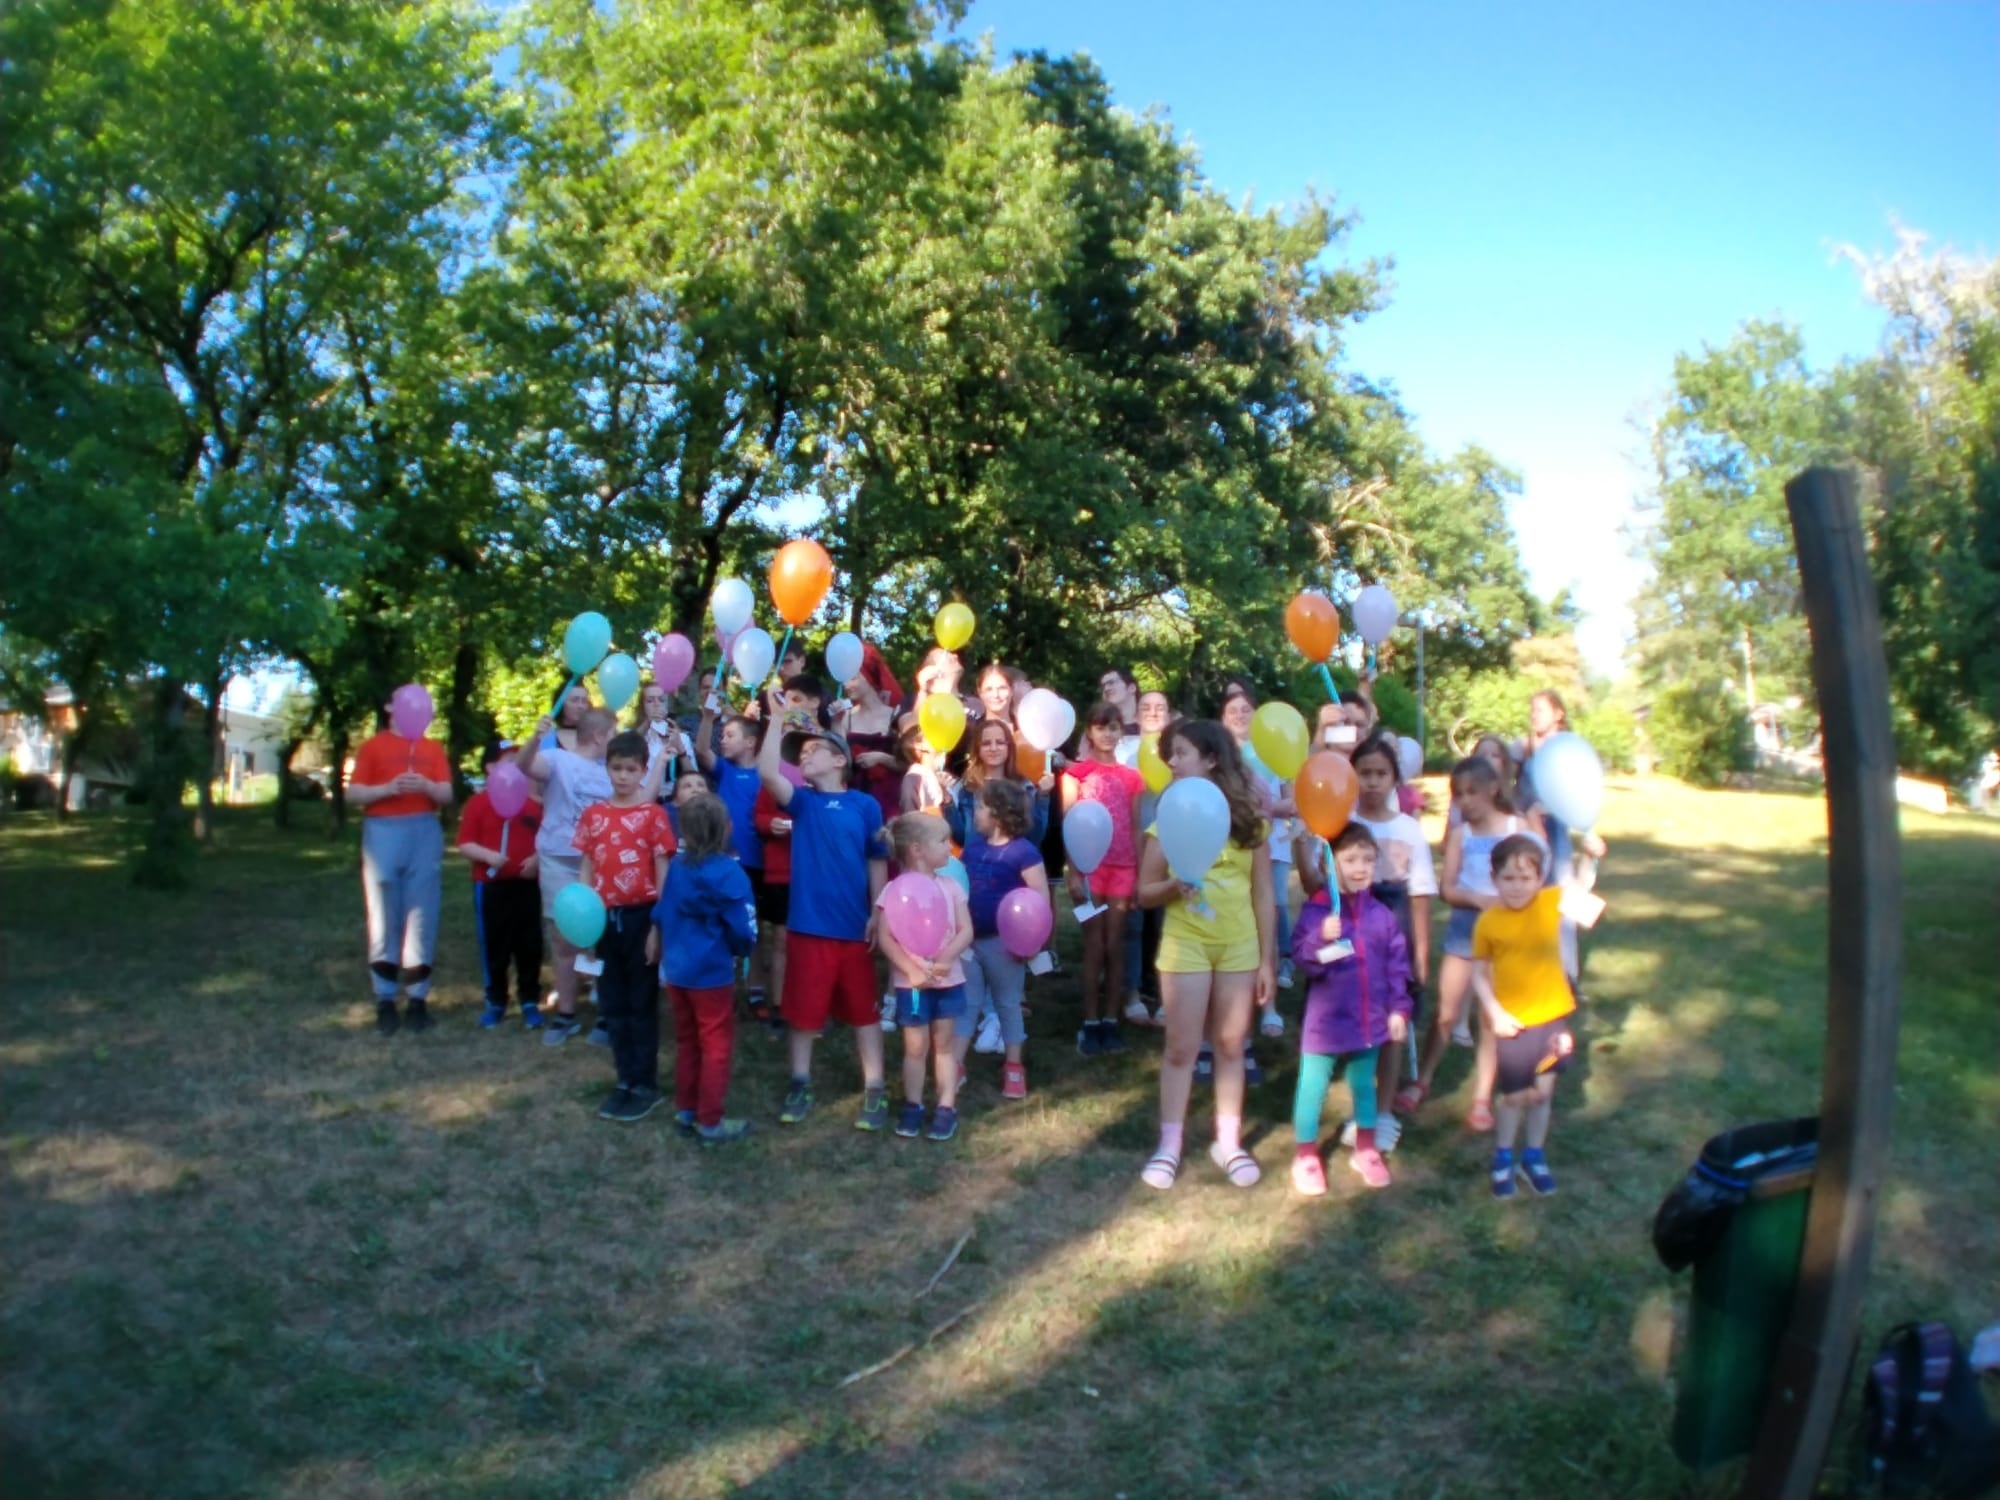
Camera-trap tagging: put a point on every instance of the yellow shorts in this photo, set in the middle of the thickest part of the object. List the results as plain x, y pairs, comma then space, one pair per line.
1181, 953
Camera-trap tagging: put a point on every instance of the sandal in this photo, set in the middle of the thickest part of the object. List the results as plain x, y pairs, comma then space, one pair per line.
1161, 1171
1239, 1166
1410, 1098
1480, 1116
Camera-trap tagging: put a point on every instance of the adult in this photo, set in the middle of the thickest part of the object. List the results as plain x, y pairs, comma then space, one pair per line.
942, 672
399, 784
870, 728
876, 670
666, 741
1118, 687
575, 704
996, 693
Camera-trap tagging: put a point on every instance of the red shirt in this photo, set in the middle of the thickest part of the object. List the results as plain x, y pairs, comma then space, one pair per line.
622, 844
1115, 786
777, 846
384, 757
480, 824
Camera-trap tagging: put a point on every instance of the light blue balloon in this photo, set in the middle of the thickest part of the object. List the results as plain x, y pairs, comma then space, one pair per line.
1193, 824
1569, 780
585, 642
954, 870
843, 657
1086, 830
618, 680
580, 915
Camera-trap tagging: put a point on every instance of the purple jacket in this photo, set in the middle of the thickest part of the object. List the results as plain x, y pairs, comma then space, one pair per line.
1349, 1001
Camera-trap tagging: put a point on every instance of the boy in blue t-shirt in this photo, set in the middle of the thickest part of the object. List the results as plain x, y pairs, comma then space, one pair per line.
729, 761
839, 866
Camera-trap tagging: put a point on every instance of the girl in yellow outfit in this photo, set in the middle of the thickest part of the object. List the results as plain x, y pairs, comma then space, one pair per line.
1217, 953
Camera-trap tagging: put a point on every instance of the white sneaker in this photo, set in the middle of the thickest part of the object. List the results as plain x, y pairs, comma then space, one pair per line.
988, 1039
889, 1011
1388, 1132
1461, 1034
1136, 1013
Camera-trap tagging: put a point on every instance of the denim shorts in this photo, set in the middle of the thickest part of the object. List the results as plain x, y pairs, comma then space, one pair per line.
921, 1007
1458, 932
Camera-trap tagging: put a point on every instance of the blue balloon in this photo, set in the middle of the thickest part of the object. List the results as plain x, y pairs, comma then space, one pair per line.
1192, 824
953, 870
1569, 780
580, 915
618, 680
585, 642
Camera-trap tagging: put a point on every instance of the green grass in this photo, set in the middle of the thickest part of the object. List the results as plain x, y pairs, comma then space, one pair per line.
253, 1249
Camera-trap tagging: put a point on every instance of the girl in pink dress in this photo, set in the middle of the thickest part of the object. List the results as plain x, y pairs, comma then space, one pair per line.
1098, 777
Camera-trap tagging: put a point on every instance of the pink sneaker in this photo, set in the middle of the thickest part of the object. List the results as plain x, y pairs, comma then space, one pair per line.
1370, 1167
1308, 1176
1013, 1081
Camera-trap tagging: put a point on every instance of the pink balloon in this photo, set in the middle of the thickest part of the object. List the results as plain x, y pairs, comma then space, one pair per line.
507, 789
1025, 922
410, 711
673, 659
919, 913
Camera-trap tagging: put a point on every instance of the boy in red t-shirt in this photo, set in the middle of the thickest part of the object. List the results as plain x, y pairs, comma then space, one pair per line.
506, 895
400, 784
625, 844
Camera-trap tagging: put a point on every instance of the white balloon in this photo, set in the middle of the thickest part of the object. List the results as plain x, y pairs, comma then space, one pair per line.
1375, 614
1409, 757
1086, 831
843, 657
731, 604
752, 656
1045, 720
1193, 824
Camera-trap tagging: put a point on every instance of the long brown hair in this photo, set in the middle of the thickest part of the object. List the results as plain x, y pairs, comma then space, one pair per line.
976, 775
1246, 817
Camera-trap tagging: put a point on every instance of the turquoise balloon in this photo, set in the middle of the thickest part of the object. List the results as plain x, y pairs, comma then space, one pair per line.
618, 680
580, 915
953, 870
585, 642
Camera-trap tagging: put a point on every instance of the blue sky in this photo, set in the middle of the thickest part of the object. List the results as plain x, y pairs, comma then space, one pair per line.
1573, 193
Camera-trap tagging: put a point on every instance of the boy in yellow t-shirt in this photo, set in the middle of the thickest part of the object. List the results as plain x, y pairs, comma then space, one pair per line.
1522, 987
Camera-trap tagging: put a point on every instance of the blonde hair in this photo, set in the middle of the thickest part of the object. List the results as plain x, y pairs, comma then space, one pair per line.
912, 830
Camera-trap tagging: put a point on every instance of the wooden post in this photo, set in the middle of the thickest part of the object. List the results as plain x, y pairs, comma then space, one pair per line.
1864, 974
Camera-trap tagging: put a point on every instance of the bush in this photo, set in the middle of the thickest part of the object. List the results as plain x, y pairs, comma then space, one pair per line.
1701, 737
1612, 734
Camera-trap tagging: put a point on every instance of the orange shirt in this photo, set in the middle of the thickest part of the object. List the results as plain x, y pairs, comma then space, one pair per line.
384, 757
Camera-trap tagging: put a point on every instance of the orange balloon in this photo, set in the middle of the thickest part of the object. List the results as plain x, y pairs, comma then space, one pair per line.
1313, 625
1029, 761
801, 574
1326, 790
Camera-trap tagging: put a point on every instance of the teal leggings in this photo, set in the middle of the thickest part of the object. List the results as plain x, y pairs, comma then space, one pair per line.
1316, 1077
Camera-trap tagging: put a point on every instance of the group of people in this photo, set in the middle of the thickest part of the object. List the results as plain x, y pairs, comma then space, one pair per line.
743, 860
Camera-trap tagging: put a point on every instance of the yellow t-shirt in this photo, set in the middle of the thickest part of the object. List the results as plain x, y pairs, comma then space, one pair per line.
1526, 952
1226, 890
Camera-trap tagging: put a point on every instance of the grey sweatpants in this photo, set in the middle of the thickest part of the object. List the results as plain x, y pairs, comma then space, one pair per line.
996, 980
402, 865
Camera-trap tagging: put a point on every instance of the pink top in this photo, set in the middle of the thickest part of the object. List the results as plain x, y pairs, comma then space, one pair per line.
1115, 786
961, 912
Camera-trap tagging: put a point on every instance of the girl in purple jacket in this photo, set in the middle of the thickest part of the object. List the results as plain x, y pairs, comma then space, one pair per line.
1357, 964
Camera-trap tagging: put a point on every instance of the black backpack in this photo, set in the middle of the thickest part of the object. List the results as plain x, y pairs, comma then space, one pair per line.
1925, 1426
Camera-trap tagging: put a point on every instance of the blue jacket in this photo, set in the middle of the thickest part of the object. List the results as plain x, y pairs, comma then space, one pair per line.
707, 921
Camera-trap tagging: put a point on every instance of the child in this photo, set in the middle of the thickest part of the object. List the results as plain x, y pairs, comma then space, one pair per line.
571, 780
838, 869
690, 785
1405, 882
1524, 996
506, 898
927, 785
1098, 777
734, 771
1356, 1000
774, 903
1003, 859
1468, 889
625, 844
930, 992
401, 783
705, 920
1217, 954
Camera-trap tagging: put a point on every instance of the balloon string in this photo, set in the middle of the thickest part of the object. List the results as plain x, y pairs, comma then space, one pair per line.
1332, 692
504, 827
1088, 899
1371, 658
783, 646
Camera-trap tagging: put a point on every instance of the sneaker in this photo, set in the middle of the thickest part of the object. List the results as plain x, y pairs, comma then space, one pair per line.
944, 1123
1535, 1167
1370, 1168
889, 1012
760, 1008
1253, 1071
560, 1028
874, 1111
639, 1102
386, 1020
1204, 1066
988, 1040
1286, 978
1136, 1012
600, 1035
613, 1107
1461, 1034
531, 1018
1108, 1039
1014, 1081
722, 1132
798, 1102
684, 1122
419, 1018
1388, 1134
1088, 1042
492, 1016
1502, 1174
910, 1121
1308, 1175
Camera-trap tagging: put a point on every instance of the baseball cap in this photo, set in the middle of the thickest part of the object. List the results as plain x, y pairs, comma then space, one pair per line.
795, 741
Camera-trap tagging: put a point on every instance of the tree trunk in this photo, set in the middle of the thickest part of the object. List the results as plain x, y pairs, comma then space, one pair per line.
167, 860
462, 732
338, 778
72, 751
211, 733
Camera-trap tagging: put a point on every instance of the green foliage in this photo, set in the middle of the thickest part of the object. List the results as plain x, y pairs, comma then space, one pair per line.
1612, 733
1701, 736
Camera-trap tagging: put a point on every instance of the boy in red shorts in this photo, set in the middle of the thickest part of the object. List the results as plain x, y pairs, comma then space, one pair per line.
839, 866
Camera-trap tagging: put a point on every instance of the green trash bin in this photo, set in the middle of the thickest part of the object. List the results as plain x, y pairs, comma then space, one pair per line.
1740, 1219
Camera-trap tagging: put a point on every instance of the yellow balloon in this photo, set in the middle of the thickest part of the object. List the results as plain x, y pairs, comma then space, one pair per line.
1278, 735
1151, 766
942, 719
953, 626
